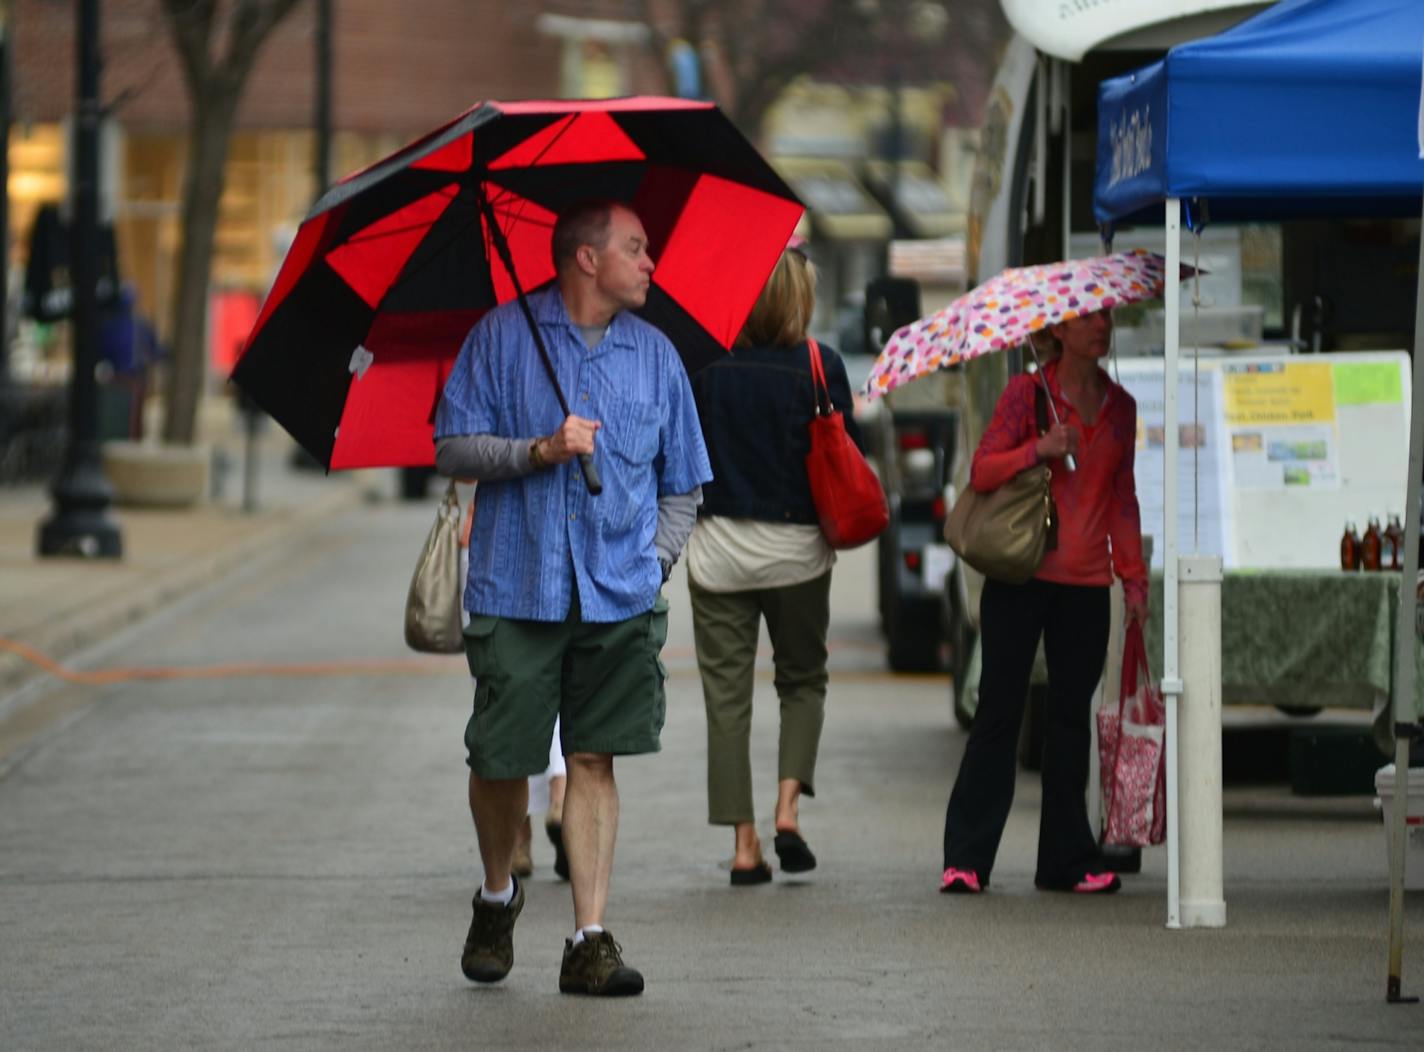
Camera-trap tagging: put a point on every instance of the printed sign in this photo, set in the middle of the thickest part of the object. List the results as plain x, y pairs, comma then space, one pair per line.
1281, 417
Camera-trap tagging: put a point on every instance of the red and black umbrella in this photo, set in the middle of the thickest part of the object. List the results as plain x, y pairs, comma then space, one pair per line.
395, 263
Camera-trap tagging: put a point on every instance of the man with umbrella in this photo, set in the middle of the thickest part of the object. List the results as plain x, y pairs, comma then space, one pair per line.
563, 588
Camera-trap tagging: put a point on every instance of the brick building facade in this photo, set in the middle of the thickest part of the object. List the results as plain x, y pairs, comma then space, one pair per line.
398, 68
397, 71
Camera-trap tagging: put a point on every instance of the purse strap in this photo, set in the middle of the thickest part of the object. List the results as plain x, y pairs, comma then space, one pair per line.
1040, 412
1134, 663
818, 379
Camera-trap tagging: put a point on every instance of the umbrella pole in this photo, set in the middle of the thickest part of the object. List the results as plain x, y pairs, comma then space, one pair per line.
1068, 460
585, 460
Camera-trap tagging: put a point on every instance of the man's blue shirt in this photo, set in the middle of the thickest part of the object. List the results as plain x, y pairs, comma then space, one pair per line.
531, 535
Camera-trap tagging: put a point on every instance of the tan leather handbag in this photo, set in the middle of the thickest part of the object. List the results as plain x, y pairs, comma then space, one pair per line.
1004, 534
432, 606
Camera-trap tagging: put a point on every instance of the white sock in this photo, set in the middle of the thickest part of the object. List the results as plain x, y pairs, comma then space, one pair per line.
498, 898
590, 929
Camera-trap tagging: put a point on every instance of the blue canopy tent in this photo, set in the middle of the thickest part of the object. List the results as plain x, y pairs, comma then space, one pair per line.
1305, 109
1310, 108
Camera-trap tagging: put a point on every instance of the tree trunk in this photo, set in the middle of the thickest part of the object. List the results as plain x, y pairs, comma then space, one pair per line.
202, 192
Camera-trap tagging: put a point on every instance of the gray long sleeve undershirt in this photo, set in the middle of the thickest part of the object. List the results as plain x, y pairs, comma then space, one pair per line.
491, 457
483, 457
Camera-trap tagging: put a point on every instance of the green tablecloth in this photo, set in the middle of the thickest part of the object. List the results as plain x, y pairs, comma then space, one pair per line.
1297, 638
1310, 638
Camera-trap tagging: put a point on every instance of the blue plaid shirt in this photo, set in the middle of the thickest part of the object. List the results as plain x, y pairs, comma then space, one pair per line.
533, 535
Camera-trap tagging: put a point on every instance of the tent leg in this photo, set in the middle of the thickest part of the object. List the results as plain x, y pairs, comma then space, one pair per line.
1202, 904
1171, 678
1406, 720
1393, 993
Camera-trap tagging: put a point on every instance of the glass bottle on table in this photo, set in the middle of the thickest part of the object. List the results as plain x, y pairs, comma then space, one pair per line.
1370, 545
1350, 548
1392, 552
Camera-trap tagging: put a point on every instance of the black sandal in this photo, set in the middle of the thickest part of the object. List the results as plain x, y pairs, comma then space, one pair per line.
758, 874
793, 853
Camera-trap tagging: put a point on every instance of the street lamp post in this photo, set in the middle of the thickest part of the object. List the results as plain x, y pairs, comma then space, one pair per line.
321, 172
80, 524
6, 50
322, 116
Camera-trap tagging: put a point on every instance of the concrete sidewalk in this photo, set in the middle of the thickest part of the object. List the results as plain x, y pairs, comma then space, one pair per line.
284, 861
55, 608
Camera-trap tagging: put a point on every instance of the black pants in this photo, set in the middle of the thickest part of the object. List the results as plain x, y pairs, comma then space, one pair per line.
1073, 621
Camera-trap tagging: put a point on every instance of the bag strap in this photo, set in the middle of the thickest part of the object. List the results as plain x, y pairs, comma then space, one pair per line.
450, 504
1135, 668
1134, 658
1040, 409
818, 379
1144, 667
1131, 661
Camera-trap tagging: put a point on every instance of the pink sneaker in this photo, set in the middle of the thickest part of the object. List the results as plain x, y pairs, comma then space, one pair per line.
1097, 884
959, 882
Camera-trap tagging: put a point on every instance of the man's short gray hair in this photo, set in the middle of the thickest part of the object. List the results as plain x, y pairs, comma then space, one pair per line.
585, 223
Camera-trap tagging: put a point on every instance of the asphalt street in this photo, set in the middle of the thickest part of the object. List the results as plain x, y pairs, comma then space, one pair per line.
282, 858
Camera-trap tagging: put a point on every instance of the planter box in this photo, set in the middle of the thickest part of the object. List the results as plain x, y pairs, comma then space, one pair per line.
144, 474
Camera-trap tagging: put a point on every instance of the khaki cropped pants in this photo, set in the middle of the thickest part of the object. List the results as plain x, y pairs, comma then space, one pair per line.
725, 629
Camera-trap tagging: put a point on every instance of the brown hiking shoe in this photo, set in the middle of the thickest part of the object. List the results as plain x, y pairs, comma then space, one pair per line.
489, 948
595, 966
523, 860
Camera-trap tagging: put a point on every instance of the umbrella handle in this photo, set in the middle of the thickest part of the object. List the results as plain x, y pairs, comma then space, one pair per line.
590, 474
1069, 461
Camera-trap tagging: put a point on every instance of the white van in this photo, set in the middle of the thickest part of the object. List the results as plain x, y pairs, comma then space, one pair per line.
1031, 190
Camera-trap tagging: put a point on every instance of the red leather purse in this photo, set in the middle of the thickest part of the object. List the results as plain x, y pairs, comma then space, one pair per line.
849, 500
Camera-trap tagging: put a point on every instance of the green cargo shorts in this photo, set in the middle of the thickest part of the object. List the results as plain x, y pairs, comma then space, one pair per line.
604, 682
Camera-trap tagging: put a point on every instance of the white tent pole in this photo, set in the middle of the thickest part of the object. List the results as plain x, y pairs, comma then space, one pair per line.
1171, 679
1064, 102
1404, 648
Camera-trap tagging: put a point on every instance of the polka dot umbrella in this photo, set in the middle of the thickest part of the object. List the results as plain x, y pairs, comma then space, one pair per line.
1008, 308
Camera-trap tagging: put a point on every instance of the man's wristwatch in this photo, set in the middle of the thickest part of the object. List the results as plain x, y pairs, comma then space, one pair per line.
536, 459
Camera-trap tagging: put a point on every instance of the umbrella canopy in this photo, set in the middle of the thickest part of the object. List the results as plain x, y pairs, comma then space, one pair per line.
1005, 310
395, 263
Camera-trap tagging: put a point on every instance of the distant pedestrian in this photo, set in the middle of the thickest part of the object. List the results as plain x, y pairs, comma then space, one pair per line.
546, 800
564, 588
757, 553
1065, 602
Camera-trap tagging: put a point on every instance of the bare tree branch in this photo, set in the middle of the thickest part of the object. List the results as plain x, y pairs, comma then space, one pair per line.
762, 46
190, 23
248, 26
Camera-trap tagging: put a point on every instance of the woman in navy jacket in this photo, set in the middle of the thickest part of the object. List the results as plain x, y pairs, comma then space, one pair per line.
756, 553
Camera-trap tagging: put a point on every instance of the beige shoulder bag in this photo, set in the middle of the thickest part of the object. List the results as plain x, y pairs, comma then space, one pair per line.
432, 607
1004, 534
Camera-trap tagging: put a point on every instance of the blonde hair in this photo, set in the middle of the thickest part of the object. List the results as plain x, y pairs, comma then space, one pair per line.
782, 312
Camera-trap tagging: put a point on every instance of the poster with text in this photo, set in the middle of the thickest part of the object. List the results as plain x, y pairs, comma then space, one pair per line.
1203, 479
1281, 418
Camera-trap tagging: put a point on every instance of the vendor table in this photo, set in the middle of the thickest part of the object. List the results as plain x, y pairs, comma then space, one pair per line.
1293, 638
1303, 638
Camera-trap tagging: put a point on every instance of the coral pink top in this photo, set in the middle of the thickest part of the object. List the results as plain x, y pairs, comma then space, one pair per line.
1096, 503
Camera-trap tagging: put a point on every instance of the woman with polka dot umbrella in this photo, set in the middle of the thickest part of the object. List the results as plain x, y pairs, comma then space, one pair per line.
1010, 307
